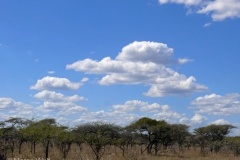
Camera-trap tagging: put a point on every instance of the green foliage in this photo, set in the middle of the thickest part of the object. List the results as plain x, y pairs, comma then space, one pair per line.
214, 132
97, 135
149, 133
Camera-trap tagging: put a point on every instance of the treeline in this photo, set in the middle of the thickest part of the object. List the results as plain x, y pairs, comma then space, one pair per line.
149, 134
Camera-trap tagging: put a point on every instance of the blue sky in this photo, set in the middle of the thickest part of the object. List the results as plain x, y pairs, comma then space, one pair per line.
119, 60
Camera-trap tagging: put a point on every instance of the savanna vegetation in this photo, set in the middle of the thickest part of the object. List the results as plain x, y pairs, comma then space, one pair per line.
143, 139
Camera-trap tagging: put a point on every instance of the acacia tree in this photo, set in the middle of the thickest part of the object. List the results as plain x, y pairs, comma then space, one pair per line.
32, 133
97, 135
152, 131
21, 126
123, 139
45, 131
10, 135
213, 134
179, 133
3, 147
64, 141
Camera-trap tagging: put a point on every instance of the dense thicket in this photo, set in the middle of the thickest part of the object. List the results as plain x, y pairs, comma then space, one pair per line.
149, 134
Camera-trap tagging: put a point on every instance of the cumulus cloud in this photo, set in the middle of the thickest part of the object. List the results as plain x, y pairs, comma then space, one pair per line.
185, 2
72, 110
10, 104
56, 97
55, 83
11, 108
196, 120
147, 52
134, 105
53, 102
85, 79
142, 63
219, 9
59, 103
220, 121
119, 118
214, 104
61, 107
167, 115
130, 111
176, 85
3, 117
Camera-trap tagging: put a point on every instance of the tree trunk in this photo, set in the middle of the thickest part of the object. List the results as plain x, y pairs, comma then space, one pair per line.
47, 149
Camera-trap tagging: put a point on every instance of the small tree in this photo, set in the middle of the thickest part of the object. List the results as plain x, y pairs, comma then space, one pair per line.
45, 131
64, 141
214, 132
179, 133
97, 135
213, 135
10, 135
151, 130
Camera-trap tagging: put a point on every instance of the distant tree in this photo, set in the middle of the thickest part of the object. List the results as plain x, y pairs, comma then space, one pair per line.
97, 135
9, 135
45, 131
32, 133
152, 131
64, 141
123, 139
214, 132
179, 133
213, 135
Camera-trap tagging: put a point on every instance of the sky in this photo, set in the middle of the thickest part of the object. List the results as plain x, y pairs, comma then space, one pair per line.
119, 60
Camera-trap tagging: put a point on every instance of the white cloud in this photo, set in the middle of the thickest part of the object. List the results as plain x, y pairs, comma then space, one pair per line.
3, 117
51, 83
72, 110
220, 121
196, 120
168, 115
134, 105
184, 60
147, 52
184, 120
176, 85
142, 63
11, 108
57, 102
155, 107
207, 24
119, 118
10, 104
61, 107
85, 79
218, 105
219, 9
51, 72
130, 106
56, 97
185, 2
129, 112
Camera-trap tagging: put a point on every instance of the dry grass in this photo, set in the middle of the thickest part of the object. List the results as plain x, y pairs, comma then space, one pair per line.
113, 153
